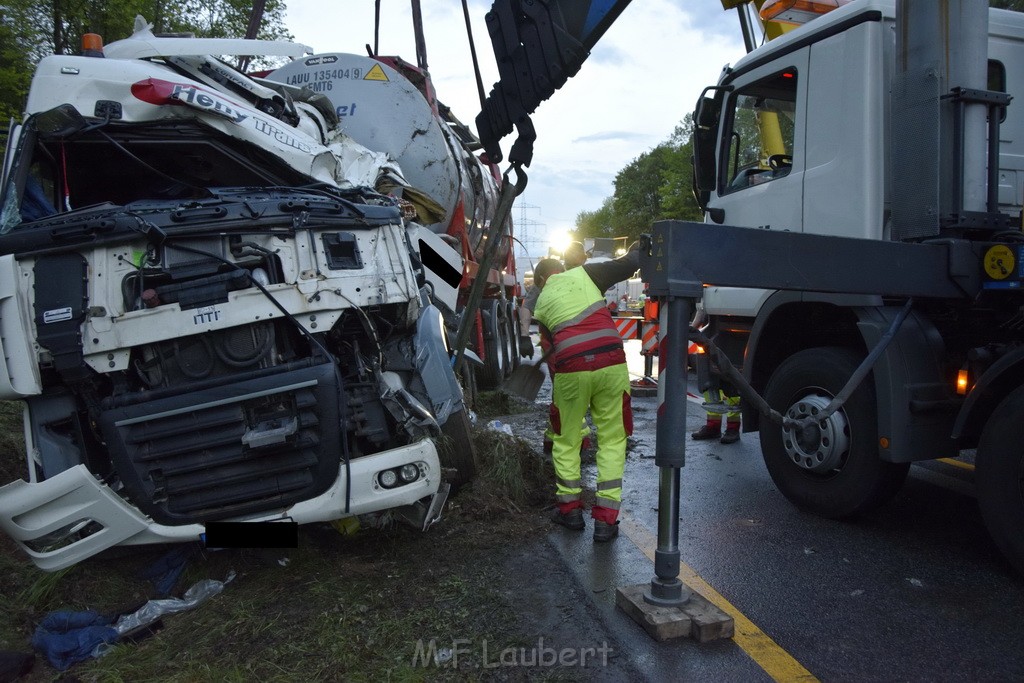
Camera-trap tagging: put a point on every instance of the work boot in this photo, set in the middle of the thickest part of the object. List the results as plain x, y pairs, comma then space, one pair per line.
573, 519
706, 432
731, 435
604, 532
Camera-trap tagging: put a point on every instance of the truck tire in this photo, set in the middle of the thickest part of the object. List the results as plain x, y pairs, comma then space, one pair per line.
833, 471
456, 450
512, 337
999, 477
493, 372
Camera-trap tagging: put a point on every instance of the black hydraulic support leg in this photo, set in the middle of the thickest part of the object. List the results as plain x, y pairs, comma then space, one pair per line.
670, 451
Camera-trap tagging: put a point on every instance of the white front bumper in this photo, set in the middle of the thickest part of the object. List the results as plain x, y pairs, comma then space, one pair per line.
31, 511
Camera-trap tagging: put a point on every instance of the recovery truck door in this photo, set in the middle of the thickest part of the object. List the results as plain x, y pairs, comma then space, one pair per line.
760, 162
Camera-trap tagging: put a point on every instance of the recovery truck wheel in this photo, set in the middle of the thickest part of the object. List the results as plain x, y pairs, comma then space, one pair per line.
831, 469
999, 476
495, 360
455, 449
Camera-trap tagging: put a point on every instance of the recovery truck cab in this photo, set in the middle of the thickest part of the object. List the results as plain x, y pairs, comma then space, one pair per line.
214, 306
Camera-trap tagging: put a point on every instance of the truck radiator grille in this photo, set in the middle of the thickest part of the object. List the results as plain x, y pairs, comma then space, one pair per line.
228, 450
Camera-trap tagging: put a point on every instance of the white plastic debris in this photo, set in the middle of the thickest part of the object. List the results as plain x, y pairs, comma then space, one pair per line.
154, 609
499, 426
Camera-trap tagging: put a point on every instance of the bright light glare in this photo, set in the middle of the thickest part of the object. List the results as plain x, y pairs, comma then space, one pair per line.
559, 240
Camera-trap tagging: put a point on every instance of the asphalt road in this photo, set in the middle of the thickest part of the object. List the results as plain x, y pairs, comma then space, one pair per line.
915, 591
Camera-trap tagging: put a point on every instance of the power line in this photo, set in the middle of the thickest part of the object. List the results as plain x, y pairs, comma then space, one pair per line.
531, 234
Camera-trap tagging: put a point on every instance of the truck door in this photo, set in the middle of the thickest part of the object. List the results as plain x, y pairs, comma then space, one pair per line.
11, 147
761, 148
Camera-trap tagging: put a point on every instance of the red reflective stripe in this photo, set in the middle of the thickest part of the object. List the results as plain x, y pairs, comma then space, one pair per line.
555, 418
566, 508
581, 316
594, 361
627, 413
597, 347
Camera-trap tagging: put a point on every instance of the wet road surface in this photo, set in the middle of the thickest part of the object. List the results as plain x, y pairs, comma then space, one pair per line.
914, 591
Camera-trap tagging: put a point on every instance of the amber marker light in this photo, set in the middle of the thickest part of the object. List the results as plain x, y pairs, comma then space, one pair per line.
961, 382
798, 11
92, 45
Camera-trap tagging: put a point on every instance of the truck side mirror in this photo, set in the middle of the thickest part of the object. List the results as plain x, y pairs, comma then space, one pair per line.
60, 121
705, 137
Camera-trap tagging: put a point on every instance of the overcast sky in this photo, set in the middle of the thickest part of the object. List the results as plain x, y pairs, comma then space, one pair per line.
636, 86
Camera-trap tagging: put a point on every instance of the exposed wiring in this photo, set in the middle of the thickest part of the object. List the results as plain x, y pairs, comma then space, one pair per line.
369, 323
148, 229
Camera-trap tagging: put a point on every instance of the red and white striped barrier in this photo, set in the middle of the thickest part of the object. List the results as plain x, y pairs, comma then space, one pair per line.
628, 328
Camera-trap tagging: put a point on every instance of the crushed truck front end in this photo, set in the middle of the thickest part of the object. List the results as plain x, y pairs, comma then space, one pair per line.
211, 315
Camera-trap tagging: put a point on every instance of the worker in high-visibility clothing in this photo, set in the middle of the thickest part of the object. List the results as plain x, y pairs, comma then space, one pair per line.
719, 397
590, 372
575, 255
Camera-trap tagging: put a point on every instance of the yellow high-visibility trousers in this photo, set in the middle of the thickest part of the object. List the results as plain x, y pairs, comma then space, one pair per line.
605, 392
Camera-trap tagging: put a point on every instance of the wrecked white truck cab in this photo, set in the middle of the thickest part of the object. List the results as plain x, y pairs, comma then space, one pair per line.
209, 311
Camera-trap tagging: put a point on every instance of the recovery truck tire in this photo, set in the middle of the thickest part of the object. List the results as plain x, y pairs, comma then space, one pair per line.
456, 450
999, 477
831, 469
494, 371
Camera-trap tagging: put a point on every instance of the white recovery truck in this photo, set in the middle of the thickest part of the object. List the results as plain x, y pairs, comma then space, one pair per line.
862, 256
892, 124
215, 308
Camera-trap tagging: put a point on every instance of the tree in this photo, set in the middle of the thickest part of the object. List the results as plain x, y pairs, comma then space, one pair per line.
657, 185
598, 223
1015, 5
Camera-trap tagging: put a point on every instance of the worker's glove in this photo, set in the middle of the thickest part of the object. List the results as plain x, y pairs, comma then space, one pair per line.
526, 346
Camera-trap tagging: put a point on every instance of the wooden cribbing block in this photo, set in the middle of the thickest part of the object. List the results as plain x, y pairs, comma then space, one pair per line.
696, 618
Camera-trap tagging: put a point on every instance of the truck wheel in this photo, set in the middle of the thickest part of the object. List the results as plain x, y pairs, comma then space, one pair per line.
511, 337
456, 450
999, 476
832, 469
493, 371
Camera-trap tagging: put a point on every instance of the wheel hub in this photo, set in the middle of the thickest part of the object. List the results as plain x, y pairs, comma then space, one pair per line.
820, 446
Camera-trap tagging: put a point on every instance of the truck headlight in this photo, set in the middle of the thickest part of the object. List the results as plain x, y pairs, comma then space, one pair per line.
409, 473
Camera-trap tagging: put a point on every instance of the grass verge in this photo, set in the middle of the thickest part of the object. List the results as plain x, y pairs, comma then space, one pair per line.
382, 604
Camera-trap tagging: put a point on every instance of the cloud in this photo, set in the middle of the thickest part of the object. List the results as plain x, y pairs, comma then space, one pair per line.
627, 136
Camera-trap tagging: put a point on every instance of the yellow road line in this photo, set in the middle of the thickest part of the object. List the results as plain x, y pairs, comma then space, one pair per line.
765, 652
957, 463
